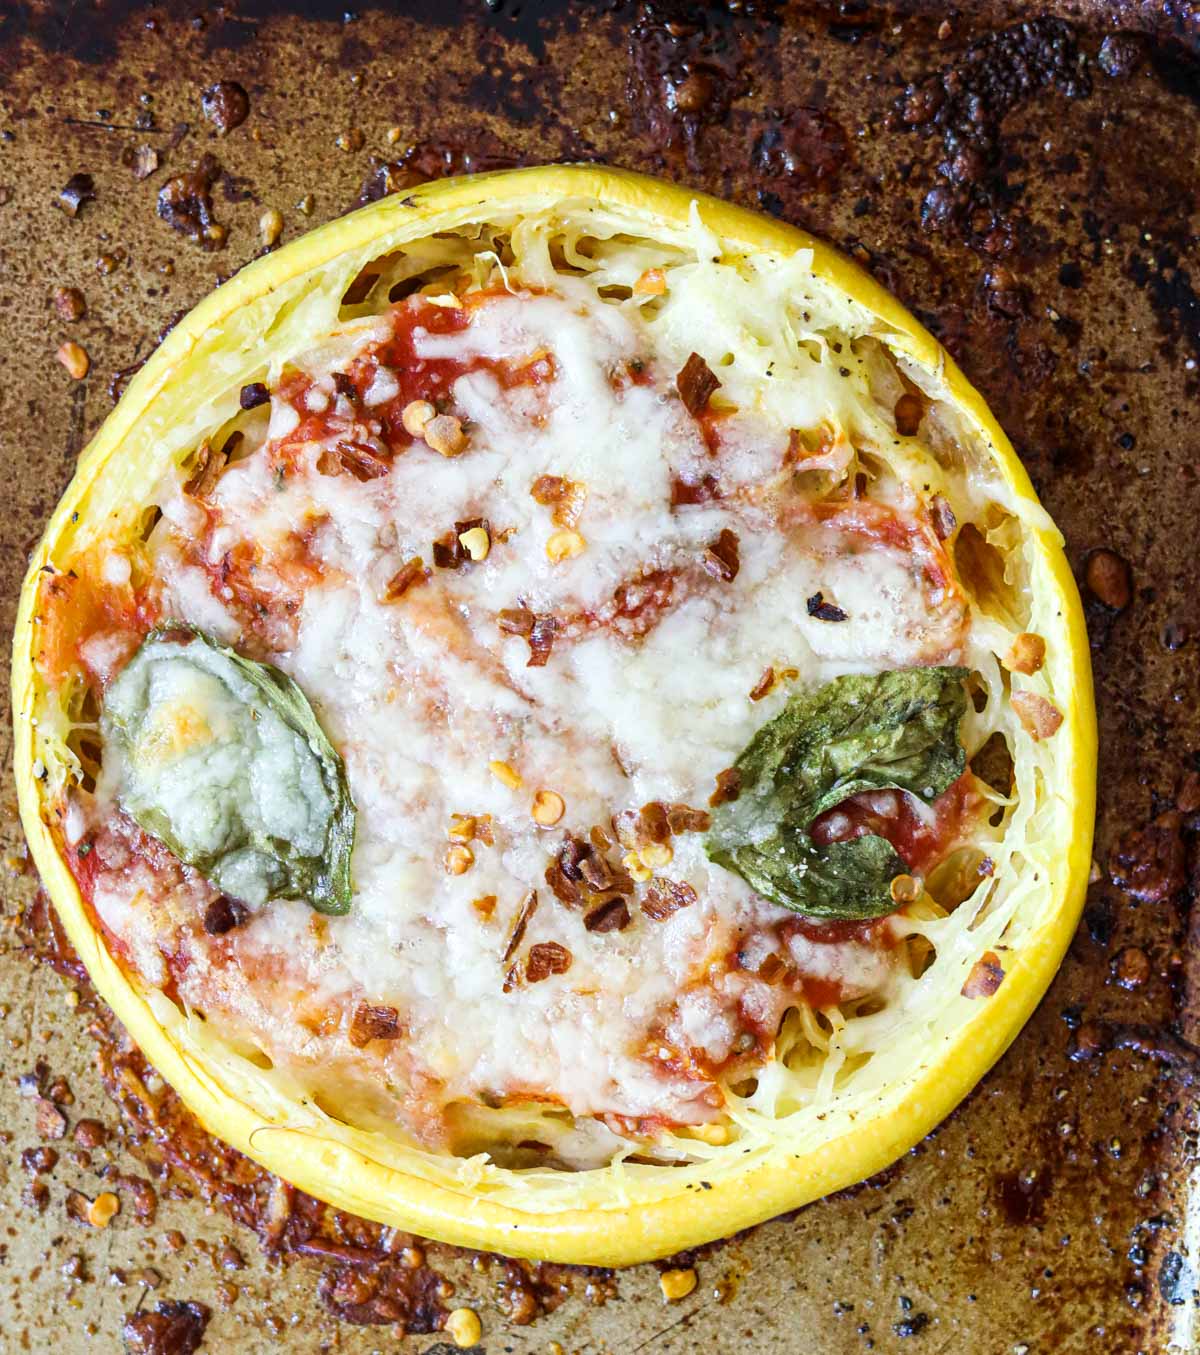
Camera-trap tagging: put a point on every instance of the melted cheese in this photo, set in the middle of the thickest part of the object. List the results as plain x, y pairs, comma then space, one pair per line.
420, 694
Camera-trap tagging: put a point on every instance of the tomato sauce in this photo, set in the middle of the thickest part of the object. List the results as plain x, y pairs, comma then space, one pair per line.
920, 838
77, 605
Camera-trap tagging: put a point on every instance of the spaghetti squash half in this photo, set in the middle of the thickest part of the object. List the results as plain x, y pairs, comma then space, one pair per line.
553, 714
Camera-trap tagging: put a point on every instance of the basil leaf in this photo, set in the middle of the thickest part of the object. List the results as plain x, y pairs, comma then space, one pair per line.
223, 760
891, 731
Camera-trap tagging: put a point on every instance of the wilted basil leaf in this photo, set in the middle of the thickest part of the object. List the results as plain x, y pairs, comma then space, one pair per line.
892, 731
223, 760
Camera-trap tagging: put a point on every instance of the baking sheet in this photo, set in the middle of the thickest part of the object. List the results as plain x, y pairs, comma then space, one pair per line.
1025, 179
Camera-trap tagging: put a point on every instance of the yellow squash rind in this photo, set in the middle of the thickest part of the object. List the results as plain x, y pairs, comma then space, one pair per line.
763, 1185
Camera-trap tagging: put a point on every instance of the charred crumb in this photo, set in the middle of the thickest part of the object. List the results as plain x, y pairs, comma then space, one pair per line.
226, 105
1109, 579
143, 161
817, 607
79, 190
69, 304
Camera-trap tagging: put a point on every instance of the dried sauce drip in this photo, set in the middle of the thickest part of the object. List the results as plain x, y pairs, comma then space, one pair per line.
968, 100
372, 1276
1150, 863
185, 204
172, 1328
685, 70
798, 152
477, 154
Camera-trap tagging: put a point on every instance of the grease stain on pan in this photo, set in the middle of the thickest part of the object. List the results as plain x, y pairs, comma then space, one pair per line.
92, 34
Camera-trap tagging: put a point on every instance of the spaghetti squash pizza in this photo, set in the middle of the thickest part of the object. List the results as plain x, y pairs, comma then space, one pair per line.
549, 697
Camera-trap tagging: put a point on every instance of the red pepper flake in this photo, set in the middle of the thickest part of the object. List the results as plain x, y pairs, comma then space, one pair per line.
685, 492
546, 958
223, 915
764, 684
597, 873
685, 819
1039, 717
528, 907
541, 641
362, 460
345, 387
721, 558
942, 517
985, 977
565, 889
409, 574
209, 465
612, 916
695, 384
448, 552
772, 969
664, 897
654, 824
729, 787
566, 497
38, 1160
515, 621
822, 610
373, 1023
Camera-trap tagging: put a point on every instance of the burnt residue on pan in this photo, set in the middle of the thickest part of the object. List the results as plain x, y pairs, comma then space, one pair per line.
1024, 179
